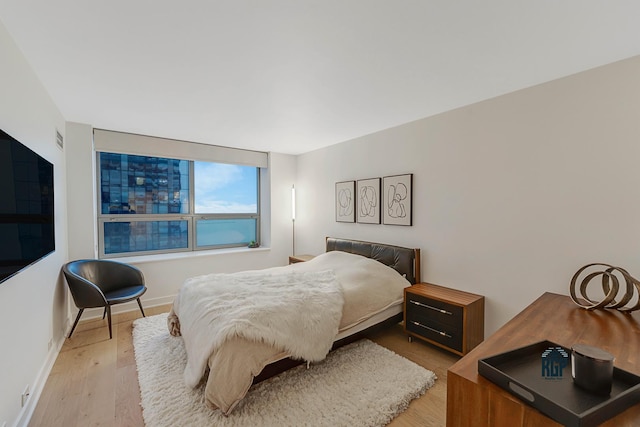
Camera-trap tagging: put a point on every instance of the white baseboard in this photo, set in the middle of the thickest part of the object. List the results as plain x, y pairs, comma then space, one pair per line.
27, 411
36, 390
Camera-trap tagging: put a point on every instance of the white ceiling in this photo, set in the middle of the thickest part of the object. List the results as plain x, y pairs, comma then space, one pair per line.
292, 76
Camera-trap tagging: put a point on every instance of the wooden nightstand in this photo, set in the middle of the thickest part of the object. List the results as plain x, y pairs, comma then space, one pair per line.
300, 258
448, 318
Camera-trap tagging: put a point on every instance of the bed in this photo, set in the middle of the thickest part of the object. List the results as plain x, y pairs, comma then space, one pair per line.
311, 307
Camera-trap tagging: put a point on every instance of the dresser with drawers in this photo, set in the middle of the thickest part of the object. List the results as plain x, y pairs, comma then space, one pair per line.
445, 317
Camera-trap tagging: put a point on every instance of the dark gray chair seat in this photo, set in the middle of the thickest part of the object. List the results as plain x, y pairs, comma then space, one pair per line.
125, 294
103, 283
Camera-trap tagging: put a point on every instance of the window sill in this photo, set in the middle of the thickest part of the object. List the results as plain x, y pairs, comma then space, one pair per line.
141, 259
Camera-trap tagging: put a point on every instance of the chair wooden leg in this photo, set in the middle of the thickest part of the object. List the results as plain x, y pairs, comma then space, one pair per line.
109, 320
76, 322
140, 305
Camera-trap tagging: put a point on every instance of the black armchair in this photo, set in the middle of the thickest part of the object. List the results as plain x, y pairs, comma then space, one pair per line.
101, 283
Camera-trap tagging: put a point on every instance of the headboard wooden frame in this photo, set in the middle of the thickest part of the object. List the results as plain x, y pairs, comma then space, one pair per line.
405, 261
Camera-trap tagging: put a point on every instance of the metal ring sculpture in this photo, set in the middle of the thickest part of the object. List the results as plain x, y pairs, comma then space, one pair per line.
610, 287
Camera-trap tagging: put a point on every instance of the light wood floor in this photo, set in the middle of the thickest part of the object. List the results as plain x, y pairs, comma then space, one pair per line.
94, 380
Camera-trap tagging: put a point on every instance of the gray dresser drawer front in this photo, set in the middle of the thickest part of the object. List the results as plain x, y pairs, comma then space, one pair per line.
437, 311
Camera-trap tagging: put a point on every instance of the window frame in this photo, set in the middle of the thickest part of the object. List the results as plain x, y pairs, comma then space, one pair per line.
190, 217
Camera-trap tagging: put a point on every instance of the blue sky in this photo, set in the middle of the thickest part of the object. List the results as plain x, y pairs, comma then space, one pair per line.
223, 188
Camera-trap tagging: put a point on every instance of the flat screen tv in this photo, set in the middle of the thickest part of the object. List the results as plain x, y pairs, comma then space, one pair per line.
26, 207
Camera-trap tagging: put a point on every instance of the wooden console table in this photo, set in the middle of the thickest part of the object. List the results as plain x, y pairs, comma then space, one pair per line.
474, 401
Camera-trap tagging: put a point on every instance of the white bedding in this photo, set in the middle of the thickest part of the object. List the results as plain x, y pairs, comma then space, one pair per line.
298, 312
385, 314
368, 288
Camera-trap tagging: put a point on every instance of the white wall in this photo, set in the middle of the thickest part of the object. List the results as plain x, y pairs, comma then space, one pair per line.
32, 303
81, 188
165, 274
511, 195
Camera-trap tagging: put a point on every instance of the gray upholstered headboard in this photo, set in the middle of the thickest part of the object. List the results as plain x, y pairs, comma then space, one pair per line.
405, 261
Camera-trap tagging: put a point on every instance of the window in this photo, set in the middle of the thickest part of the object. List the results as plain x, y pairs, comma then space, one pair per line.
225, 203
155, 205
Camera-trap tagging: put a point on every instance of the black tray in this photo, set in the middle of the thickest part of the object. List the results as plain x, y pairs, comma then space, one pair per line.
520, 373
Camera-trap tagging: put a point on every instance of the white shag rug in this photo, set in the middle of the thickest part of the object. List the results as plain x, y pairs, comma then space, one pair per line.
361, 384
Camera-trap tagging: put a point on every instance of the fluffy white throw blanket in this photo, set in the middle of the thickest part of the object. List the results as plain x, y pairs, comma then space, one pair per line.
298, 312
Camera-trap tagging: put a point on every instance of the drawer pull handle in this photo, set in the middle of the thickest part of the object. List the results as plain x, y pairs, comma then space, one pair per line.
444, 334
431, 307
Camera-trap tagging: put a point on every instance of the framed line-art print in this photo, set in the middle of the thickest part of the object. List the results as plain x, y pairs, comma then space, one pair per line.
345, 201
368, 201
397, 192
